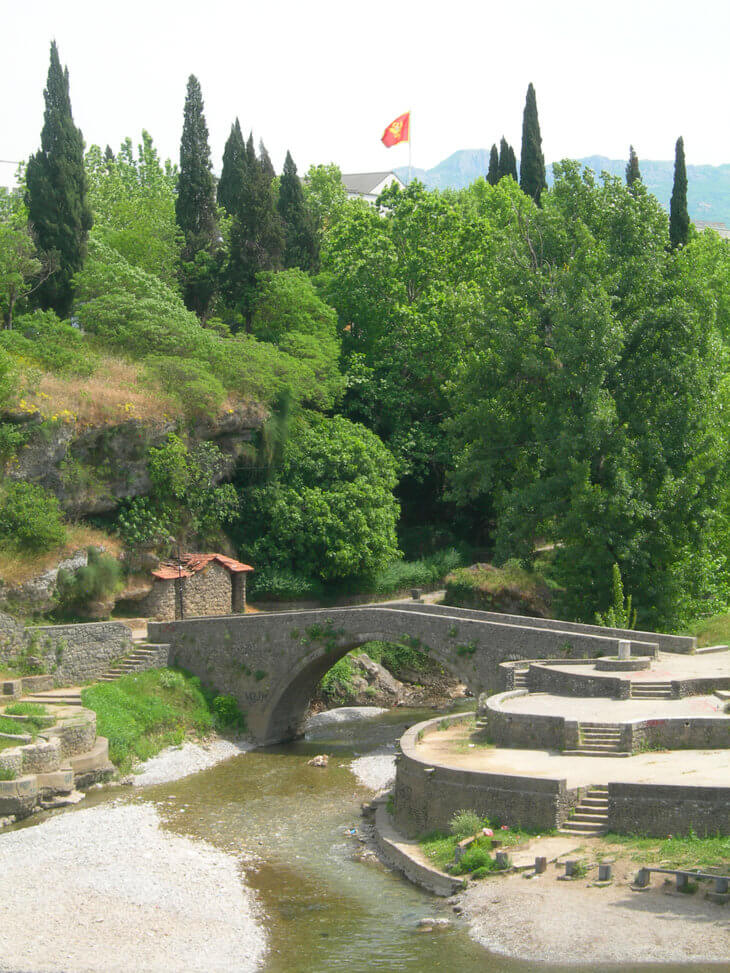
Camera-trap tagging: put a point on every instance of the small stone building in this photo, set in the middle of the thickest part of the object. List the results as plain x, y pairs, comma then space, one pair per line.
200, 584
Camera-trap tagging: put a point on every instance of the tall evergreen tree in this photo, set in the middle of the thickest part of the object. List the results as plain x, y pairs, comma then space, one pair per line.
257, 234
233, 173
195, 208
493, 172
58, 210
633, 173
507, 163
678, 214
532, 161
300, 240
267, 167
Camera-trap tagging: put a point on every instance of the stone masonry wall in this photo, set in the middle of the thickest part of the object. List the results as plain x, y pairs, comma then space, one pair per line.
159, 604
662, 809
568, 682
75, 653
688, 733
428, 795
208, 592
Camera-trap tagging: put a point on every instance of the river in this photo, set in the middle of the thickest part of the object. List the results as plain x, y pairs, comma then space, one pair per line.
324, 910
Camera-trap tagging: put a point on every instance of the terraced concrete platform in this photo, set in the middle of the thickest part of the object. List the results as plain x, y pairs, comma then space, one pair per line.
691, 767
666, 666
598, 709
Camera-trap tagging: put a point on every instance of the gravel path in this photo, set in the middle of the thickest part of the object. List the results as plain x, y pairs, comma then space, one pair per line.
569, 923
106, 890
176, 762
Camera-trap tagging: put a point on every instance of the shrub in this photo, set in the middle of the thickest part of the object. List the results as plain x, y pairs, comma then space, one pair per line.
97, 580
227, 714
510, 588
198, 390
336, 684
279, 584
30, 519
473, 858
481, 872
464, 824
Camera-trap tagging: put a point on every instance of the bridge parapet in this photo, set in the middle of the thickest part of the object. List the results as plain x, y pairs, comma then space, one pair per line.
272, 662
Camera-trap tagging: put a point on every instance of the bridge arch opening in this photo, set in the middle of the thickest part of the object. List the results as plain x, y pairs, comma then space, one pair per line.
288, 713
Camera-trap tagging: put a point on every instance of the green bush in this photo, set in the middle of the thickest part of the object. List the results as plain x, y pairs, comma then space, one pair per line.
30, 519
480, 872
194, 385
473, 858
44, 340
227, 713
336, 684
464, 824
401, 575
278, 584
97, 580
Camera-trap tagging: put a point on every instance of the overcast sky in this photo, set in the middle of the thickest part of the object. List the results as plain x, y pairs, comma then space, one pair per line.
324, 78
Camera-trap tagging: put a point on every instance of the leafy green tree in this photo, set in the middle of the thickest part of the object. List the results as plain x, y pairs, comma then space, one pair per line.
633, 173
195, 207
22, 270
331, 513
532, 161
300, 242
589, 410
324, 195
233, 171
58, 210
678, 214
493, 172
133, 199
30, 519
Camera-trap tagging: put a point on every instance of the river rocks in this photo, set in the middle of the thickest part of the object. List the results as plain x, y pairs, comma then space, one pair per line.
321, 760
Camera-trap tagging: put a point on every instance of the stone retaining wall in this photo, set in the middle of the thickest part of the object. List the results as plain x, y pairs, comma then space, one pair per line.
76, 653
682, 733
659, 810
523, 731
427, 795
542, 679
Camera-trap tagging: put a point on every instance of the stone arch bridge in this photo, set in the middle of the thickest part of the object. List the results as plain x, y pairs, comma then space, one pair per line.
271, 662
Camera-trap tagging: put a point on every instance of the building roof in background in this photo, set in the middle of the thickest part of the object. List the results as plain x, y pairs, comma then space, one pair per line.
364, 182
719, 228
190, 564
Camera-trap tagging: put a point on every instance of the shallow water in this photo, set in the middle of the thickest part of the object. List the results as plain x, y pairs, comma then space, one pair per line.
323, 910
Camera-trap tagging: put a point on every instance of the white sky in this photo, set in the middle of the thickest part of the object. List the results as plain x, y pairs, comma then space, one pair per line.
324, 78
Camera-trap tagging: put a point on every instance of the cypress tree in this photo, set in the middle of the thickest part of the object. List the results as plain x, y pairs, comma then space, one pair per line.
265, 162
507, 163
633, 173
532, 161
232, 177
195, 208
493, 173
300, 241
678, 214
257, 234
58, 210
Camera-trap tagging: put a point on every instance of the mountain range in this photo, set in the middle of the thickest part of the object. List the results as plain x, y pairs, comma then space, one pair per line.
708, 193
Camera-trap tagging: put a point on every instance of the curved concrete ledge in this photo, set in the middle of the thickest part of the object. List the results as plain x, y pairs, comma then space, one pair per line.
636, 664
405, 856
528, 731
428, 794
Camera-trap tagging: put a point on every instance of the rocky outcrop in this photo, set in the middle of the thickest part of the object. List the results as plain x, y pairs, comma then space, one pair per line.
37, 595
92, 468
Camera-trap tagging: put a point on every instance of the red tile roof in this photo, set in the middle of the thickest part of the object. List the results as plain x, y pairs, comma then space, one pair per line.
192, 563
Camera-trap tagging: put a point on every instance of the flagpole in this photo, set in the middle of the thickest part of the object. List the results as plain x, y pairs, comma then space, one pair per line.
410, 144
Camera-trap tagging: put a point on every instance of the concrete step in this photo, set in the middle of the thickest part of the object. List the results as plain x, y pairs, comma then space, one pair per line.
582, 832
579, 827
599, 747
597, 726
596, 753
55, 700
95, 759
600, 735
599, 803
61, 780
586, 817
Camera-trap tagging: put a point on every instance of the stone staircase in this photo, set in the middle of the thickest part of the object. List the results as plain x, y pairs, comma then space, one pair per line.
651, 690
144, 656
598, 740
590, 818
520, 678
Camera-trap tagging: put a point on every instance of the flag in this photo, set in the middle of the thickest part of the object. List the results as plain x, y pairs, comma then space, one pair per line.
397, 131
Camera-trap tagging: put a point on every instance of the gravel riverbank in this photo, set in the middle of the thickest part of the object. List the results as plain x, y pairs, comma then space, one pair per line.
571, 923
107, 889
174, 763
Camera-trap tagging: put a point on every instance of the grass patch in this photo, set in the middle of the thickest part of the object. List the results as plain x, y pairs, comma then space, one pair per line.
18, 728
682, 851
711, 631
6, 773
440, 848
26, 709
142, 713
